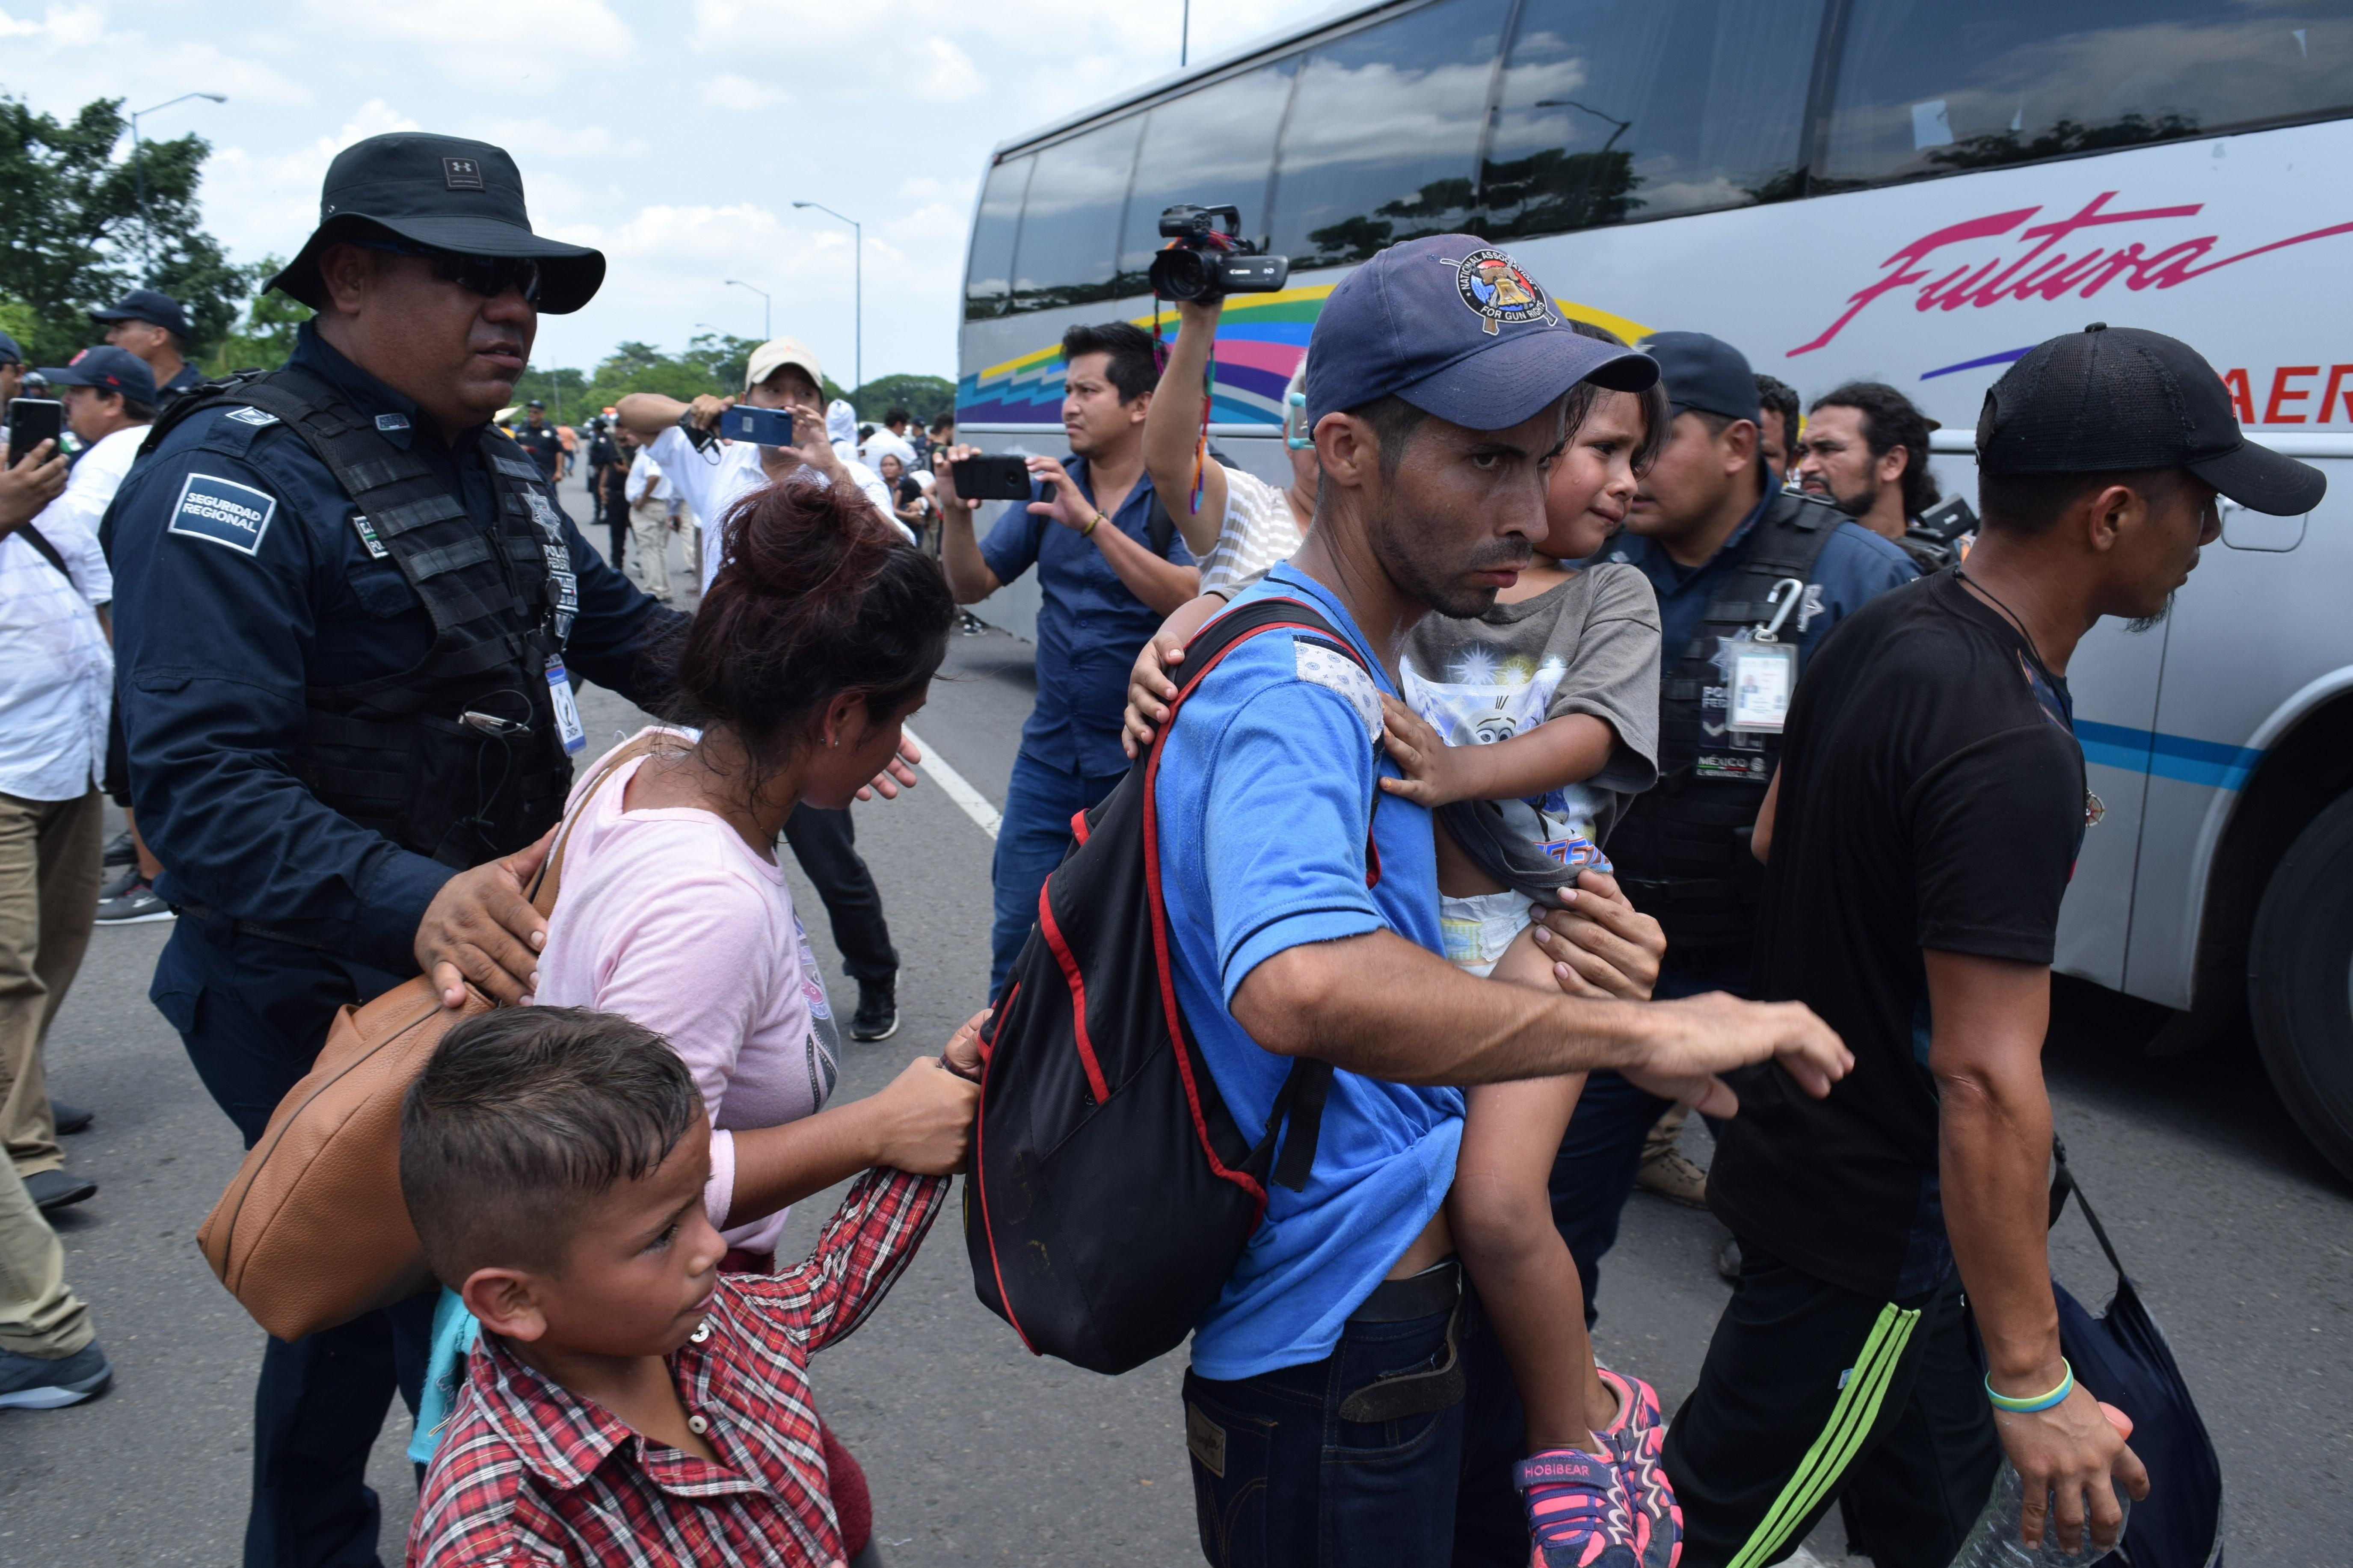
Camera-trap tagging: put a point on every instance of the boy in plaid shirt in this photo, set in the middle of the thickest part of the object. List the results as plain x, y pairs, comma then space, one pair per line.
627, 1402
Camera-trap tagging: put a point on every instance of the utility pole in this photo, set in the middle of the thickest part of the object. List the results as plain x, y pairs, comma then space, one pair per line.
1185, 37
139, 178
857, 295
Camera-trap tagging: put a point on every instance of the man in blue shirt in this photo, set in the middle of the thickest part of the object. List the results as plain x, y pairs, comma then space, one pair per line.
1108, 578
1733, 557
1345, 1403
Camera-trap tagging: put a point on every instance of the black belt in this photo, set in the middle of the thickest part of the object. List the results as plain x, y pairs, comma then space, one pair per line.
1437, 1289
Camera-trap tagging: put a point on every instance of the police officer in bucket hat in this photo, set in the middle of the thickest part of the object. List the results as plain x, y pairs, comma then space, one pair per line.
349, 617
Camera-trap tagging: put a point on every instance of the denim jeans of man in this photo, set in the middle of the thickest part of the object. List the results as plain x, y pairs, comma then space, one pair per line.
253, 1013
825, 842
1593, 1174
1279, 1481
1030, 842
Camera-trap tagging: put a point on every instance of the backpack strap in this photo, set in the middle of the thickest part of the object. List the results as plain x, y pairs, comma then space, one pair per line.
2063, 1185
46, 550
1298, 1104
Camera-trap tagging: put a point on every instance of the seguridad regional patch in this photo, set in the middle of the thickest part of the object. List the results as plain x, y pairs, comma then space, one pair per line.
224, 511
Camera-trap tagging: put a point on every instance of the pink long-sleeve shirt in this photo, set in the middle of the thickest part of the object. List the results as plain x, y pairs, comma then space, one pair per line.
668, 918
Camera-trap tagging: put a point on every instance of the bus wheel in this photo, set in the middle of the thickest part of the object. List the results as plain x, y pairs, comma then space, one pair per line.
2300, 982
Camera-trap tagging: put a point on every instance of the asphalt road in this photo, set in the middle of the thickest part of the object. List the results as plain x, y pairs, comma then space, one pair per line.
2239, 1235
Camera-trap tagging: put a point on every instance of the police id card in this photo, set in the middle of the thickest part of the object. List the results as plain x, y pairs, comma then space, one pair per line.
568, 712
1763, 675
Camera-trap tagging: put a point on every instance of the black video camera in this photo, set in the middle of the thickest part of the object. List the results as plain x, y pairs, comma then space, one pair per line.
1205, 264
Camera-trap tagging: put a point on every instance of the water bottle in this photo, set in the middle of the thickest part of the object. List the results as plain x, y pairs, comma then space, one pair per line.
1993, 1542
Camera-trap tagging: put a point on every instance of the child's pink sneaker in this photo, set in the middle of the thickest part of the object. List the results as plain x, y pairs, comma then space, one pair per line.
1638, 1438
1578, 1514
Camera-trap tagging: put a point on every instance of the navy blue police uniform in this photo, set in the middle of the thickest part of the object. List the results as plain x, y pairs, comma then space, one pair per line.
344, 650
545, 447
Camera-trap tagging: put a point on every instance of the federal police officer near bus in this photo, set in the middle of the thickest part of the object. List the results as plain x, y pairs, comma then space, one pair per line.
347, 611
1750, 577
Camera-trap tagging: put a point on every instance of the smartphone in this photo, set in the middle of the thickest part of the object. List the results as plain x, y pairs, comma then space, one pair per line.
761, 426
31, 421
992, 478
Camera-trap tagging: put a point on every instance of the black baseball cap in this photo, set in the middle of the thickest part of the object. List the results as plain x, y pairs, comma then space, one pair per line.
1703, 374
442, 191
109, 369
2112, 398
1459, 330
535, 402
10, 351
149, 306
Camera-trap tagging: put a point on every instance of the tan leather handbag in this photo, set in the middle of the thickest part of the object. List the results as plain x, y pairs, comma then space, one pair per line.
312, 1231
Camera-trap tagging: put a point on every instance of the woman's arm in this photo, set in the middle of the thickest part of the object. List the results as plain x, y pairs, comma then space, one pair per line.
1172, 430
920, 1123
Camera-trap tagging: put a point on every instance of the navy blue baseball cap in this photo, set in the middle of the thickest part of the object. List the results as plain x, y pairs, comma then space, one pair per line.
446, 193
1703, 374
10, 353
149, 306
109, 369
1459, 330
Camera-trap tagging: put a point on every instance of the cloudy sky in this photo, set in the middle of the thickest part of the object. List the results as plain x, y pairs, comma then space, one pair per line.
675, 137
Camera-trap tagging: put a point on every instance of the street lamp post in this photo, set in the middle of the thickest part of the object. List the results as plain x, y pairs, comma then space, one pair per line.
857, 295
766, 332
139, 176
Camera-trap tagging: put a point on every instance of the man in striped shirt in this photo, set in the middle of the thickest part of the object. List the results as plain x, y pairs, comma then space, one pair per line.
627, 1402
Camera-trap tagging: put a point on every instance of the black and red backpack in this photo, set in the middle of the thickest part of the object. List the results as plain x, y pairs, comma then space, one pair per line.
1110, 1191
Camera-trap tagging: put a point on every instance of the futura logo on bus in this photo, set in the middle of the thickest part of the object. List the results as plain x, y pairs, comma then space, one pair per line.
2045, 271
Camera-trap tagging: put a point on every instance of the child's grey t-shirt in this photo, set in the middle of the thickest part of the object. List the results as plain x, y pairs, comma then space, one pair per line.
1589, 646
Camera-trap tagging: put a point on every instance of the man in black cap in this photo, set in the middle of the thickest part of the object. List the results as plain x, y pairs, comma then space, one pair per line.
1750, 578
349, 618
1930, 806
152, 326
12, 373
540, 438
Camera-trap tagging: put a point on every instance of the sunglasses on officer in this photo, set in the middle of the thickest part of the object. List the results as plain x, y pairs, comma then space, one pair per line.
487, 276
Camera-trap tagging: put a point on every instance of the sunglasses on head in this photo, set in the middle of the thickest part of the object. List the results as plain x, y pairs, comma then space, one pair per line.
487, 276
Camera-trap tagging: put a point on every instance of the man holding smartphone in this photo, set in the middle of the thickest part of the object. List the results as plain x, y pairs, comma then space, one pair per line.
1108, 579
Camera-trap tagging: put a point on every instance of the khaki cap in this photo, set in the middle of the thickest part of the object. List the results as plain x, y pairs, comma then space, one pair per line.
774, 355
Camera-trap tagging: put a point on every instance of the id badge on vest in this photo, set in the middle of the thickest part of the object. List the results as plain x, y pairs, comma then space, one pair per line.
1762, 677
568, 712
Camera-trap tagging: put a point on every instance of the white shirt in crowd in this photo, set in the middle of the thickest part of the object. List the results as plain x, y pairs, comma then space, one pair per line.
56, 672
645, 481
1257, 534
716, 478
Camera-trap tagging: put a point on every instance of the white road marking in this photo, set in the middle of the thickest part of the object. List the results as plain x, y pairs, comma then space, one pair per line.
956, 786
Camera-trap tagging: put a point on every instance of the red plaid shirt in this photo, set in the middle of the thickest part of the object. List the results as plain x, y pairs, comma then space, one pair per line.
529, 1474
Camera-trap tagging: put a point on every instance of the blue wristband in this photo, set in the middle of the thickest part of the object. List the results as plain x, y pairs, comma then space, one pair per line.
2038, 1403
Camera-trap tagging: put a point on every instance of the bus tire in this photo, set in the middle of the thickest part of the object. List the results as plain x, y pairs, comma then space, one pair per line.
2300, 981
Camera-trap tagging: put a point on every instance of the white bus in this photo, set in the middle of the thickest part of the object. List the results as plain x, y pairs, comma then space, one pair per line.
1908, 191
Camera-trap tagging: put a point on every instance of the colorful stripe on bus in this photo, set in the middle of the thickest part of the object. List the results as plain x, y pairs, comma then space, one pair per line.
1260, 341
2214, 763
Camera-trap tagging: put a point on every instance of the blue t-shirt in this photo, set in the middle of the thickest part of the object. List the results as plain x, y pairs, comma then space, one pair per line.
1265, 793
1855, 567
1089, 627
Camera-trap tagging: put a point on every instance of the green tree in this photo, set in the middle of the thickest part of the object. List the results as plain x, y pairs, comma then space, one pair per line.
265, 337
924, 396
73, 234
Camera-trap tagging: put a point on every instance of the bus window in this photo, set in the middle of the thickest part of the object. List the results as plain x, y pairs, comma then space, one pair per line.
1069, 223
1384, 134
1214, 147
1933, 89
1619, 109
989, 271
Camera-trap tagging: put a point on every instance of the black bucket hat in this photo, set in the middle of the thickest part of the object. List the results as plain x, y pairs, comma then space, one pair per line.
444, 191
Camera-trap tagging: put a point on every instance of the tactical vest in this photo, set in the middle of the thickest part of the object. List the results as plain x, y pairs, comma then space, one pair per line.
459, 758
1681, 849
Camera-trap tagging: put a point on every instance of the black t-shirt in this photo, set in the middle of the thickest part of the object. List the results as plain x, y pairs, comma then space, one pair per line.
545, 447
1932, 797
910, 489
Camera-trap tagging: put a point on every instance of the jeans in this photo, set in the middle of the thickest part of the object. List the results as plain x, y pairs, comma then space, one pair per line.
1280, 1481
253, 1013
1593, 1174
1030, 842
825, 844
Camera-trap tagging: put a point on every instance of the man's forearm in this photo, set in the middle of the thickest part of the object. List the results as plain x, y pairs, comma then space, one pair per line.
969, 577
1381, 1007
646, 415
1172, 431
1994, 1154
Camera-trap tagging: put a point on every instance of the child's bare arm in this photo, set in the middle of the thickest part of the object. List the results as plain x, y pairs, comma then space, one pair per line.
1564, 751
